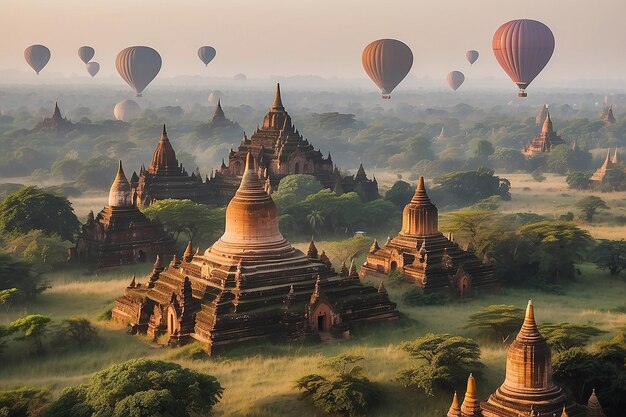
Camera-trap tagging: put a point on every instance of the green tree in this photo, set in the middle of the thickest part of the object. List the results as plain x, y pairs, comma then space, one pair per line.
198, 222
578, 180
20, 274
6, 296
444, 361
611, 255
44, 252
504, 320
418, 148
315, 220
564, 336
468, 224
590, 205
346, 392
67, 168
24, 402
34, 209
508, 159
469, 187
33, 328
400, 193
97, 173
141, 387
295, 188
484, 148
76, 331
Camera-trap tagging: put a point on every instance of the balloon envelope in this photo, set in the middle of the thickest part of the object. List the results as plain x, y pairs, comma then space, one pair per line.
93, 68
523, 48
455, 79
126, 110
138, 66
206, 54
387, 62
85, 53
37, 56
471, 56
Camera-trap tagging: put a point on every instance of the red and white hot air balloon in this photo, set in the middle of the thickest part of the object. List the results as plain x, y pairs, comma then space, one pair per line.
523, 48
387, 62
455, 79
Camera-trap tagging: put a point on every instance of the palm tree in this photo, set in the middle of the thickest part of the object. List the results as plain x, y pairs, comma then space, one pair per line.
315, 219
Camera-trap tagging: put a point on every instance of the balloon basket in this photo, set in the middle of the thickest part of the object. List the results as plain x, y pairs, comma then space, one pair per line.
386, 97
522, 94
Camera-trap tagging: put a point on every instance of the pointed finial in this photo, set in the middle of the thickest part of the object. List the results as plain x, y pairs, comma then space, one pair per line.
420, 184
248, 162
188, 255
455, 410
278, 102
530, 312
164, 133
132, 282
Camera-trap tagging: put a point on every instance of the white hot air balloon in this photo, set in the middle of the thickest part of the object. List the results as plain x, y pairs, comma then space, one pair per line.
126, 110
93, 68
138, 66
86, 53
37, 56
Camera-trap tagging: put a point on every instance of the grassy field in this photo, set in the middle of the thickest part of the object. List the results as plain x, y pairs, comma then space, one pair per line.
259, 378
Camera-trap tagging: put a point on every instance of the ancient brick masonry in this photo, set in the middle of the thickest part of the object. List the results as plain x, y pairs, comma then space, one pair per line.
528, 388
425, 256
250, 284
544, 141
609, 164
121, 234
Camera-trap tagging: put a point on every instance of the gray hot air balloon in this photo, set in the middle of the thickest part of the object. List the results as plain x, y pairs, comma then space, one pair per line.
126, 110
86, 53
206, 54
93, 68
37, 56
471, 56
138, 65
455, 79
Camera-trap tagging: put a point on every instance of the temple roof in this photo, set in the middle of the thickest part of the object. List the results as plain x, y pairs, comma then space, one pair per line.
615, 159
277, 105
547, 124
471, 405
120, 194
420, 216
57, 111
455, 410
164, 158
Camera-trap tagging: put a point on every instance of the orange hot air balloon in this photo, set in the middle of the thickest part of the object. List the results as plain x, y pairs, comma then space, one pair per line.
387, 62
471, 56
523, 48
455, 79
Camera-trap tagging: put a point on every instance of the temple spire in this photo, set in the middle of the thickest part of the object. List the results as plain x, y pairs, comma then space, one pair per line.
455, 410
120, 193
470, 406
278, 102
615, 160
547, 124
57, 111
188, 255
594, 409
164, 157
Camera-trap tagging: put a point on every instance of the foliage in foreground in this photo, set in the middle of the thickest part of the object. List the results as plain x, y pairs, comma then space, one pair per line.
140, 388
19, 274
444, 361
564, 336
24, 402
611, 255
346, 392
416, 297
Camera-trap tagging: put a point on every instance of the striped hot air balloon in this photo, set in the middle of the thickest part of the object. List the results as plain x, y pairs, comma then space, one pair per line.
138, 66
37, 56
387, 62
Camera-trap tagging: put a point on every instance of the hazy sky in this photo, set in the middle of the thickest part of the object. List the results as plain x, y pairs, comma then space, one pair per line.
322, 37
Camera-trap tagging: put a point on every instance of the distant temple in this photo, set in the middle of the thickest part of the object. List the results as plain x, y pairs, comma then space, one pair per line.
609, 163
280, 150
541, 116
57, 124
425, 256
544, 141
166, 178
528, 389
607, 116
121, 234
251, 284
219, 118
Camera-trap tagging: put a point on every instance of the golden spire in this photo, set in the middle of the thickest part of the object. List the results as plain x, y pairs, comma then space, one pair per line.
594, 409
455, 410
615, 161
278, 102
164, 157
547, 124
420, 216
188, 255
119, 193
470, 406
564, 413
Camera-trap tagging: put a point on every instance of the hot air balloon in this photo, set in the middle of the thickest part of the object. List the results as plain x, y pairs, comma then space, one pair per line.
455, 79
387, 62
93, 68
206, 54
85, 53
126, 110
138, 65
523, 48
37, 56
471, 56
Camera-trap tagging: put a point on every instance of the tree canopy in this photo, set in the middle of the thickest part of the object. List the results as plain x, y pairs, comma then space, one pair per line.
504, 320
143, 388
34, 209
590, 205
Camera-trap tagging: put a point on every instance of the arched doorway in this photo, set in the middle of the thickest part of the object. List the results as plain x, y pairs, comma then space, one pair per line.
170, 324
296, 168
322, 325
394, 265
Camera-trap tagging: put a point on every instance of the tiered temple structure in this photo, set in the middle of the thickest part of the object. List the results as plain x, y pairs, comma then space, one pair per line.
609, 164
219, 118
166, 178
57, 124
250, 284
425, 256
544, 141
121, 234
541, 116
528, 389
607, 116
280, 150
